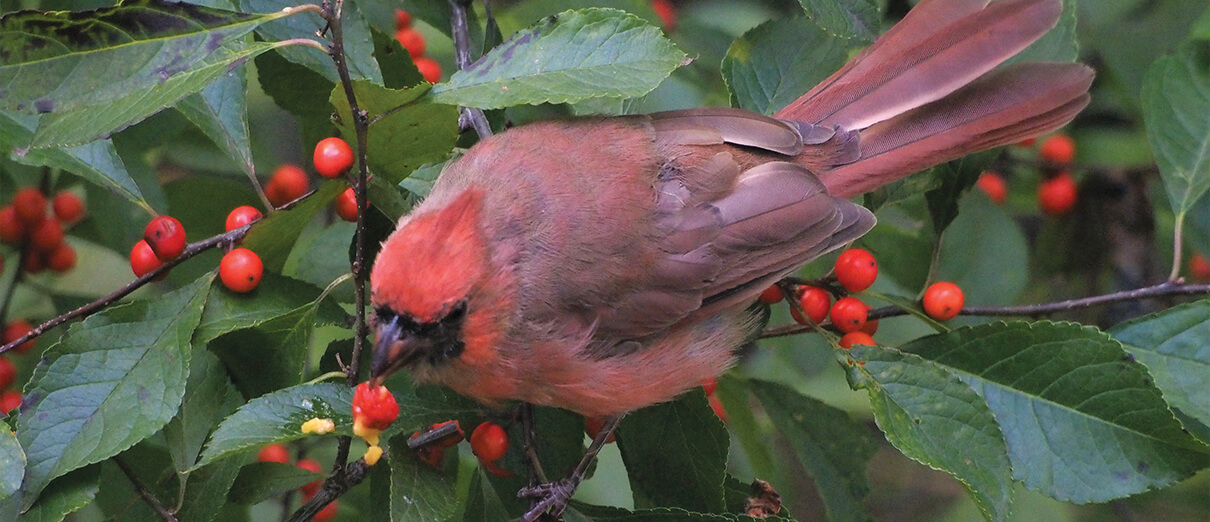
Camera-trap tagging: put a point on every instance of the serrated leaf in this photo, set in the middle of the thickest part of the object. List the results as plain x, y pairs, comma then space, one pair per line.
300, 91
274, 297
1175, 346
572, 56
359, 46
112, 380
406, 129
98, 162
58, 61
675, 454
82, 125
421, 181
261, 481
65, 495
482, 502
923, 411
221, 112
991, 269
12, 465
418, 491
833, 447
1176, 95
206, 491
269, 356
208, 397
857, 19
398, 70
778, 61
1082, 420
274, 236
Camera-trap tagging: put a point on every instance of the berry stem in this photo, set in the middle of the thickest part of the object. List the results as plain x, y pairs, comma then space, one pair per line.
462, 57
1177, 243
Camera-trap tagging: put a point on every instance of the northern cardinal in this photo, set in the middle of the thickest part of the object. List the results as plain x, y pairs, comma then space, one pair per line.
605, 264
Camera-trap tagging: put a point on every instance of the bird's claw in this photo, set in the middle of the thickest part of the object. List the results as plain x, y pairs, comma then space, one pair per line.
552, 497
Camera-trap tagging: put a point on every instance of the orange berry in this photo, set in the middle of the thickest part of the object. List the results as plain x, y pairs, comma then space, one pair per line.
943, 300
411, 40
241, 216
61, 259
143, 260
856, 269
9, 401
848, 314
815, 302
994, 186
1199, 267
12, 229
489, 442
166, 237
241, 270
274, 453
333, 157
30, 205
346, 205
1058, 195
46, 236
287, 184
433, 455
1058, 149
854, 338
772, 295
429, 68
16, 330
68, 207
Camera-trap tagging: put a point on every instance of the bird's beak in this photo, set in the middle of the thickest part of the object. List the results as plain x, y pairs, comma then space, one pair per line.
394, 348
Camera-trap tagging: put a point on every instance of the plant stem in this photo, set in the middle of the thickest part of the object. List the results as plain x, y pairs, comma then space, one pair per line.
143, 492
462, 56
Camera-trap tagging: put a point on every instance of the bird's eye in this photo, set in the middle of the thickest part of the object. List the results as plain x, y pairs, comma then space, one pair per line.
456, 313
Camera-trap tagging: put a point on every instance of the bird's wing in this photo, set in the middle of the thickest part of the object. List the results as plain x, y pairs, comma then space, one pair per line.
729, 227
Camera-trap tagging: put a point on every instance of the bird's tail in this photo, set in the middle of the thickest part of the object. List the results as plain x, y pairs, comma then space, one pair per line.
928, 91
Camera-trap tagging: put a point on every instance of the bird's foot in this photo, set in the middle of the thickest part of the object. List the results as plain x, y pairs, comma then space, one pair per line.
551, 498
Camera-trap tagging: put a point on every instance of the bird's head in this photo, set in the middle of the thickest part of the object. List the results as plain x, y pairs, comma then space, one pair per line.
426, 290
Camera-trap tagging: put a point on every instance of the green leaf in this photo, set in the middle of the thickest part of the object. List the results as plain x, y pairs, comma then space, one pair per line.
274, 236
562, 436
406, 129
418, 491
421, 181
98, 162
955, 177
1082, 420
269, 356
857, 19
261, 481
482, 502
359, 45
12, 465
1176, 93
833, 447
113, 380
675, 454
585, 513
899, 190
992, 269
1175, 346
300, 91
274, 297
209, 396
221, 112
206, 491
278, 417
571, 56
59, 61
741, 422
65, 495
778, 61
1057, 45
85, 124
398, 71
903, 255
934, 418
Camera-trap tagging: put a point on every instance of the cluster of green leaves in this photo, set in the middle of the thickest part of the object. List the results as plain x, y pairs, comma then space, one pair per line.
182, 386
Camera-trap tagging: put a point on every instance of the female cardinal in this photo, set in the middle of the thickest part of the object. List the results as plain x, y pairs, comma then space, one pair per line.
606, 264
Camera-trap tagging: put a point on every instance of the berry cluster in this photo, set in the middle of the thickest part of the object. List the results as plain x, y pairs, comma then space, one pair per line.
164, 240
333, 158
280, 454
413, 41
1058, 193
856, 270
28, 223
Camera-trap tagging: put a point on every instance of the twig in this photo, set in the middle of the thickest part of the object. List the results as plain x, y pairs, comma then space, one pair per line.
462, 57
341, 480
146, 495
12, 287
1165, 289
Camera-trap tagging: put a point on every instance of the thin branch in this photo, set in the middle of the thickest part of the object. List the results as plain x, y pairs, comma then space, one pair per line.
341, 480
143, 492
462, 57
1165, 289
12, 287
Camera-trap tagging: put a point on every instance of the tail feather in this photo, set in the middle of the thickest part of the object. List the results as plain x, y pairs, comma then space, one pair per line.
939, 47
1002, 107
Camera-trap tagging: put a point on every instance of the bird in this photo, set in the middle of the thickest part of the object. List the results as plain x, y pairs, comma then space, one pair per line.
604, 264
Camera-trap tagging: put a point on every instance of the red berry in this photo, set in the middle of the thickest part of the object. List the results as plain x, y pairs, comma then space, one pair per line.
433, 455
451, 440
815, 302
402, 19
30, 205
717, 406
1059, 149
1199, 267
489, 442
143, 260
61, 259
429, 68
593, 427
241, 270
16, 330
411, 40
9, 400
710, 385
274, 453
327, 513
310, 488
46, 236
943, 300
12, 229
8, 373
346, 205
497, 470
287, 184
666, 12
166, 237
854, 338
994, 186
68, 207
33, 262
848, 314
856, 269
772, 295
373, 406
1057, 195
333, 157
871, 327
242, 216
